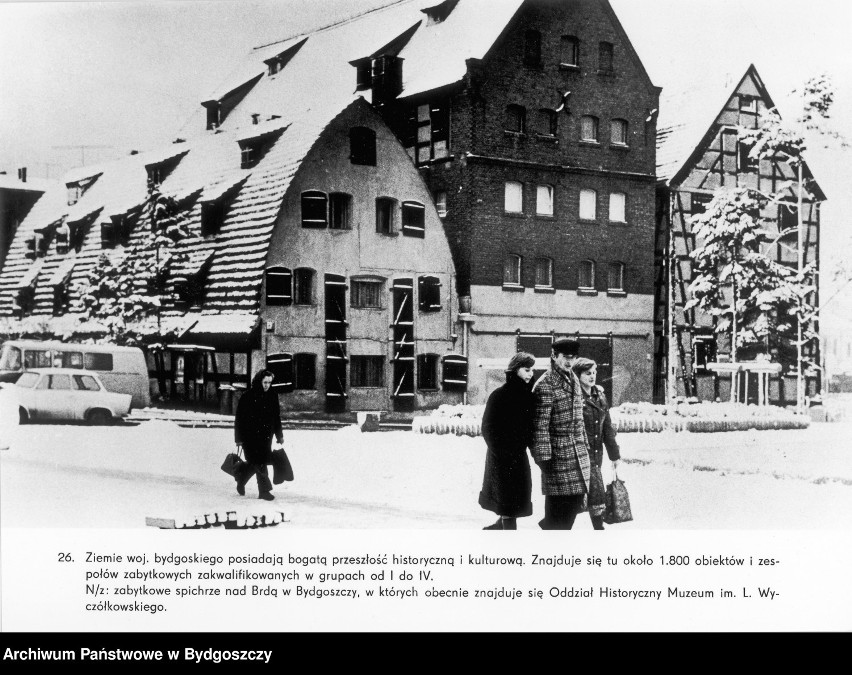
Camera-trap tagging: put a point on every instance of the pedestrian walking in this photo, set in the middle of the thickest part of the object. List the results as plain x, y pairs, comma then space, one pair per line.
507, 430
257, 421
560, 447
600, 434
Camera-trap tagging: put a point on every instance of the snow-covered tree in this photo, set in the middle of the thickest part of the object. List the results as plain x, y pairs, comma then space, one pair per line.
127, 287
734, 280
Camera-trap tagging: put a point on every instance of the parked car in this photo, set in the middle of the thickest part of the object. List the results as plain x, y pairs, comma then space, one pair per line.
121, 369
53, 394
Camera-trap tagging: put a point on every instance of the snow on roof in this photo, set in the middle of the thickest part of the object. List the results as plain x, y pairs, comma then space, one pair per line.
8, 182
686, 114
31, 274
62, 271
82, 173
436, 54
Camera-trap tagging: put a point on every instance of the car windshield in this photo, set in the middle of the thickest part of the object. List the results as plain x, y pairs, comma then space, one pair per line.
27, 380
10, 358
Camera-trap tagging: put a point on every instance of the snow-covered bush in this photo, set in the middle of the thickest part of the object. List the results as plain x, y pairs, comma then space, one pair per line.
697, 417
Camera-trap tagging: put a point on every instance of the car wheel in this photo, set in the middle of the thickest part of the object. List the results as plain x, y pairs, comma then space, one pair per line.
99, 418
23, 416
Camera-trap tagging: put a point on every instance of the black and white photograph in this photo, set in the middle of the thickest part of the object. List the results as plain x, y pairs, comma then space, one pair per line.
370, 273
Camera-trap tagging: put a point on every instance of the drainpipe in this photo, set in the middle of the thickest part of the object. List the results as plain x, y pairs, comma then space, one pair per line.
467, 319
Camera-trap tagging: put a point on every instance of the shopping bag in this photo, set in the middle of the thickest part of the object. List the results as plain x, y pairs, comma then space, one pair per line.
617, 503
281, 469
232, 464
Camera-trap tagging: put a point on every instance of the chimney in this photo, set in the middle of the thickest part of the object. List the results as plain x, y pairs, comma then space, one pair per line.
255, 117
22, 174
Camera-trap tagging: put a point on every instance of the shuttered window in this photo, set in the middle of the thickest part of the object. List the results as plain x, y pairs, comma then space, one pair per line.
281, 367
429, 292
279, 286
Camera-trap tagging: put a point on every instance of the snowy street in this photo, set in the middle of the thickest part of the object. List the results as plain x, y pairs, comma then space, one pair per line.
77, 476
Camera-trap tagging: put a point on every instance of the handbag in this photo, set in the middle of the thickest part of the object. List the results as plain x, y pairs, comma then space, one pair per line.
281, 469
232, 464
617, 502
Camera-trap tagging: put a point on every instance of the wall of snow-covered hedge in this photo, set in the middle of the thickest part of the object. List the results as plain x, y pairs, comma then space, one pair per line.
703, 417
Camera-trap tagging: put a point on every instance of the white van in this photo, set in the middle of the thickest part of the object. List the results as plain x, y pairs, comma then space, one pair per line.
121, 369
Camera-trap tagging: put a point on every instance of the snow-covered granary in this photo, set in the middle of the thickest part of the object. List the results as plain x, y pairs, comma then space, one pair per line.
508, 200
699, 152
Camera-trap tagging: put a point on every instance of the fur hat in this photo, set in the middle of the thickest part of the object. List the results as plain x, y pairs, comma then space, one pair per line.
520, 360
567, 346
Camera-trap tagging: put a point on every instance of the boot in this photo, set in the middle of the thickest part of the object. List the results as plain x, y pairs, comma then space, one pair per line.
509, 523
268, 496
496, 526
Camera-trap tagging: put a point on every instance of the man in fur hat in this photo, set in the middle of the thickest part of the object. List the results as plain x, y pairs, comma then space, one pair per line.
560, 446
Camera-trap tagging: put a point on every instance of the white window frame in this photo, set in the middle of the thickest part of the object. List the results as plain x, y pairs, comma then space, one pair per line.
516, 272
513, 194
588, 199
617, 212
544, 200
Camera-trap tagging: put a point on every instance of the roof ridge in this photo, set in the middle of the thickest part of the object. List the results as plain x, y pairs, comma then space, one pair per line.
335, 24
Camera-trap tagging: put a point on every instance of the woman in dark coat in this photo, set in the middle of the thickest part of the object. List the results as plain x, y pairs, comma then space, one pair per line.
507, 429
258, 419
600, 433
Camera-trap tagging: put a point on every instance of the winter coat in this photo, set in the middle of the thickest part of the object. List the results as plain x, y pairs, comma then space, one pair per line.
599, 429
258, 419
507, 430
600, 433
560, 447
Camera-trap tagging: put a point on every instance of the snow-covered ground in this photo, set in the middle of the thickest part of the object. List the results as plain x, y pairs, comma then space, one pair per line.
77, 476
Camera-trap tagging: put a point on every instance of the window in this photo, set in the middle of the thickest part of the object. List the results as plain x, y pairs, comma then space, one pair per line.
703, 353
367, 293
605, 50
116, 232
589, 129
368, 371
85, 383
251, 151
744, 161
441, 203
427, 371
384, 215
548, 122
570, 51
281, 367
11, 359
362, 146
60, 382
306, 371
516, 118
75, 191
748, 104
72, 359
279, 286
36, 358
588, 205
617, 207
618, 132
314, 209
513, 197
97, 361
512, 270
63, 239
339, 205
615, 277
429, 293
413, 219
543, 273
544, 200
455, 373
303, 287
587, 274
700, 202
212, 217
428, 132
532, 48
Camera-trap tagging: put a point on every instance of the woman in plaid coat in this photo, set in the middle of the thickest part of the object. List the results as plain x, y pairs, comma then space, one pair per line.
560, 446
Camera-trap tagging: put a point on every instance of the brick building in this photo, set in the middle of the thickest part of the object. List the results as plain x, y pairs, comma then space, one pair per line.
698, 153
532, 124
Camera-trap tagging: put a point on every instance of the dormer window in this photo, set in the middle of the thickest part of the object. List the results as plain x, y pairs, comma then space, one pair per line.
363, 74
77, 188
63, 239
213, 114
116, 232
439, 12
215, 204
158, 171
253, 149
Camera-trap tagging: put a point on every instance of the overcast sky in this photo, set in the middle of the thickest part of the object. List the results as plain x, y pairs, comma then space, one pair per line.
126, 75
